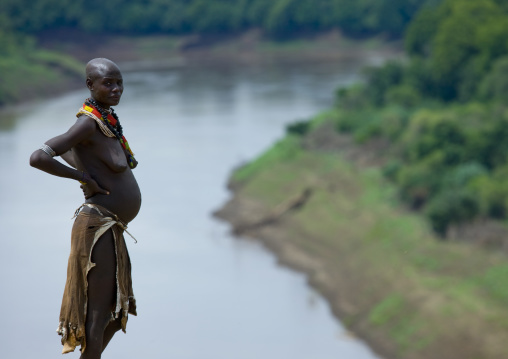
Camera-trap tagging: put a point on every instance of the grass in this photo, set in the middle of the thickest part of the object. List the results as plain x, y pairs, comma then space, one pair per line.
283, 150
387, 309
59, 61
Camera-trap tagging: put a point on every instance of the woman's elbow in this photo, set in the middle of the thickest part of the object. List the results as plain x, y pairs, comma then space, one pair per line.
36, 158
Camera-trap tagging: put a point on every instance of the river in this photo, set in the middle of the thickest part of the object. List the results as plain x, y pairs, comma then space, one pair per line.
201, 293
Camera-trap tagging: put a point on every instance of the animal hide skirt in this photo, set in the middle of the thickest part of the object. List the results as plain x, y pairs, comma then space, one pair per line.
86, 232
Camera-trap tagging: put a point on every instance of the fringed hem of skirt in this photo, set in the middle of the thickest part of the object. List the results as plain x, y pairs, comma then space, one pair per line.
72, 336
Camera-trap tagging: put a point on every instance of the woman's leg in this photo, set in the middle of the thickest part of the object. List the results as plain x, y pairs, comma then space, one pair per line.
111, 329
101, 295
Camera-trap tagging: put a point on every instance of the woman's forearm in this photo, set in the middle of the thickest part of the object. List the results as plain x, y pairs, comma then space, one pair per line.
41, 160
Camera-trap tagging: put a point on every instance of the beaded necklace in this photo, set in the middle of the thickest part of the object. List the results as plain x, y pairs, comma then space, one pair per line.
110, 119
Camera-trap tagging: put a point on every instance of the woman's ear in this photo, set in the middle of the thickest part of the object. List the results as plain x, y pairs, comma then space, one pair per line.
89, 84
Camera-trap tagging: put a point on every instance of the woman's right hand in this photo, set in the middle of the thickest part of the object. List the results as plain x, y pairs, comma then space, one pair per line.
90, 187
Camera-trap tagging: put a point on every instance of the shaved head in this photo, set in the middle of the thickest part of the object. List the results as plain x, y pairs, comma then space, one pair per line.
100, 67
105, 82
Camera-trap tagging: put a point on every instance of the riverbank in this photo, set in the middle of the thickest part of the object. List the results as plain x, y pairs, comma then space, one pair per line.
247, 48
320, 203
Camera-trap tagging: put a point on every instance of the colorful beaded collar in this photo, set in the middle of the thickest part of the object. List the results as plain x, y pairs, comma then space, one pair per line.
108, 123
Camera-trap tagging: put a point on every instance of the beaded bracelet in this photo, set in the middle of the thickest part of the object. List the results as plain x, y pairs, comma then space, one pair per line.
83, 178
48, 150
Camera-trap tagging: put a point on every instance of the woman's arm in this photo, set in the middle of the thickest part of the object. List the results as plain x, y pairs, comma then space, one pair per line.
82, 130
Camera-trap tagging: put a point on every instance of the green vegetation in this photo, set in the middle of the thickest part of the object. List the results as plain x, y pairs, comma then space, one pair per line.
283, 150
35, 74
26, 71
387, 309
417, 295
279, 18
443, 111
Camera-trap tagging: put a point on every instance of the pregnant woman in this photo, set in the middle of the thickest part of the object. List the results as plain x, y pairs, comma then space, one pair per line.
98, 292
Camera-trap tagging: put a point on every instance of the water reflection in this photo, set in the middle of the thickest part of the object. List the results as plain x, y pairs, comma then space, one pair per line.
201, 293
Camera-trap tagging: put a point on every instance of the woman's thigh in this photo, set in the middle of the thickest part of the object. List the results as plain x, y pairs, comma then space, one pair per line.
102, 277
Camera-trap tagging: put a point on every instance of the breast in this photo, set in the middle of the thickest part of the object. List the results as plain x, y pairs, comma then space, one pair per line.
115, 159
117, 167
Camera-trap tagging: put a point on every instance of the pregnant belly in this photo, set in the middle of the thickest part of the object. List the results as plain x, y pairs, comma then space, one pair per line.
124, 199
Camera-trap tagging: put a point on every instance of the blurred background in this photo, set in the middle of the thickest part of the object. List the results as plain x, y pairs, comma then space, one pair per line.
389, 115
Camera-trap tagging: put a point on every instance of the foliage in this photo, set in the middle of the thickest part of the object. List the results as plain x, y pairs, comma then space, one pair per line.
381, 79
494, 85
453, 206
298, 128
449, 161
459, 41
443, 112
26, 71
279, 18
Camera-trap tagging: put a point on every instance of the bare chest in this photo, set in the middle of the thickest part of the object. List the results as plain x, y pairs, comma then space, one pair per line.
108, 151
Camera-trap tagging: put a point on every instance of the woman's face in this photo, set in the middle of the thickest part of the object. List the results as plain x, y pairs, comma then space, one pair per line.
107, 90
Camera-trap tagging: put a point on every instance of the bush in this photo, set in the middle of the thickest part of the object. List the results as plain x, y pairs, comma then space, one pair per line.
491, 196
394, 120
418, 182
380, 79
494, 85
461, 175
371, 127
298, 128
421, 31
417, 74
391, 169
352, 98
431, 131
451, 206
403, 95
351, 121
492, 192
